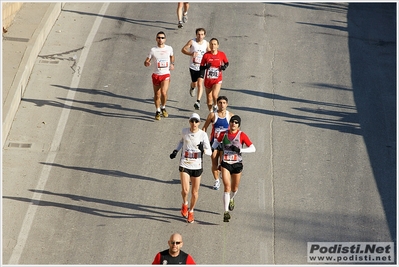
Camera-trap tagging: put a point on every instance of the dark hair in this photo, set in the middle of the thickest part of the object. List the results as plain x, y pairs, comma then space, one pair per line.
215, 40
222, 97
200, 29
161, 32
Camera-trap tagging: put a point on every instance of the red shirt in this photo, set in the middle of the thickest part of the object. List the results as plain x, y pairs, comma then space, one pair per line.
244, 139
157, 259
214, 73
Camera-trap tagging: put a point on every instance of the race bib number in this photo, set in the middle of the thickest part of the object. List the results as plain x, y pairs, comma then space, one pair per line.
197, 60
213, 73
191, 155
162, 63
230, 156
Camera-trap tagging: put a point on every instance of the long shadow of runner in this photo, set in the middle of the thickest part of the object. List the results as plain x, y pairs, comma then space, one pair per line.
155, 213
113, 173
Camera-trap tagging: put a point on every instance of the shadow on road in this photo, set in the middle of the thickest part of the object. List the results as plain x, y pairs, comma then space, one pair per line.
372, 50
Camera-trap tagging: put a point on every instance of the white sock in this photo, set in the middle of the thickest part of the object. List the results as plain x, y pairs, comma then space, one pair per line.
234, 194
226, 200
163, 107
159, 109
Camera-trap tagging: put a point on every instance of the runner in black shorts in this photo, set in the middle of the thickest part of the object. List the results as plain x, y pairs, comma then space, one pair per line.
232, 142
194, 142
195, 48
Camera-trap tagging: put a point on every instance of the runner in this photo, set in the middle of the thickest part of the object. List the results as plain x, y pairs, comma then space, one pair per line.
212, 65
220, 123
196, 48
164, 60
173, 255
232, 142
194, 143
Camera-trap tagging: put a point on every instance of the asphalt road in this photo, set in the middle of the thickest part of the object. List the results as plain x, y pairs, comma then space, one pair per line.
314, 84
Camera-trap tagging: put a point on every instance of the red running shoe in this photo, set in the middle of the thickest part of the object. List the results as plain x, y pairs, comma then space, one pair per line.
184, 210
190, 218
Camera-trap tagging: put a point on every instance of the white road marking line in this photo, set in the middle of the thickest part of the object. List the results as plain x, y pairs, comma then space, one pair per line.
30, 214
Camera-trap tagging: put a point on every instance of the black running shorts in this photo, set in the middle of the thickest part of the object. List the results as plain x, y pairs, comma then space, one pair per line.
233, 168
192, 173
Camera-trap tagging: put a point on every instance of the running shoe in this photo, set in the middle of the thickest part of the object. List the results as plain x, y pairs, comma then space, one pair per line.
215, 108
197, 105
226, 216
190, 218
164, 113
216, 185
192, 91
184, 210
180, 24
158, 115
231, 204
185, 17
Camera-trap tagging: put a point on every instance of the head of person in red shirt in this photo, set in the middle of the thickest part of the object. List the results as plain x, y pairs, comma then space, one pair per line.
174, 255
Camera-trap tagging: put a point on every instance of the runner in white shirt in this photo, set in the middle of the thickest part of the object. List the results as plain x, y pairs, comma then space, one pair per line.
163, 61
194, 143
196, 48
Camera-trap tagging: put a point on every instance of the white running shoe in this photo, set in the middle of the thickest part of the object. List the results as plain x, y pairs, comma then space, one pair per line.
216, 185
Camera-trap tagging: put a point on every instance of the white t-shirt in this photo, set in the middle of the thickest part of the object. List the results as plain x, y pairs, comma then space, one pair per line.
201, 50
161, 59
190, 154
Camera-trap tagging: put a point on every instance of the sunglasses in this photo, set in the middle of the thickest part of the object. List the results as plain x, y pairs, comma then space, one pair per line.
194, 121
175, 243
235, 122
158, 37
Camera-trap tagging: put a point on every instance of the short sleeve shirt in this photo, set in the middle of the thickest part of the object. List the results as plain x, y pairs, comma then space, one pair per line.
161, 59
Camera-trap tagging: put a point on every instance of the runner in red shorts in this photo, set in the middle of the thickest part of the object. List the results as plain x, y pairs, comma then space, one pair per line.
212, 65
163, 58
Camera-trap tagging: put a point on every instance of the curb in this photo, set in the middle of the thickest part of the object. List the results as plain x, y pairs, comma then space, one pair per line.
33, 49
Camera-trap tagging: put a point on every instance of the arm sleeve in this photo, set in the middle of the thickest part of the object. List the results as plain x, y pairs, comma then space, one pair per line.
190, 260
207, 145
249, 149
179, 145
157, 259
245, 140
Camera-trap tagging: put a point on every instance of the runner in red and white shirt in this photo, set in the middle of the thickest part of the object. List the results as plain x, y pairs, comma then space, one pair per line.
212, 64
163, 61
232, 142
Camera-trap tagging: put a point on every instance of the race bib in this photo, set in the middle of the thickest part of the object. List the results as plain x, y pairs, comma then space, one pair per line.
191, 154
162, 63
213, 73
230, 156
197, 60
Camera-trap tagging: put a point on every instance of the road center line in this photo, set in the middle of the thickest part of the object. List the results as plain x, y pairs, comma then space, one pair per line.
30, 214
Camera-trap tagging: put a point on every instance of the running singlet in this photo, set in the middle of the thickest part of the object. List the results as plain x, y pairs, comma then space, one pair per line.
220, 125
161, 59
214, 73
201, 50
237, 139
191, 155
164, 258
